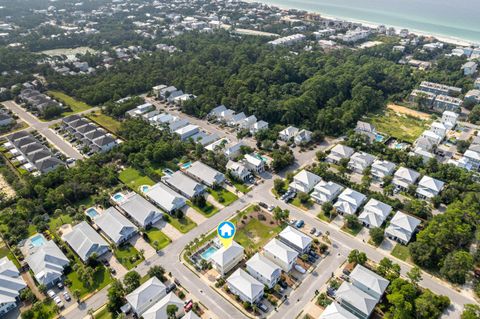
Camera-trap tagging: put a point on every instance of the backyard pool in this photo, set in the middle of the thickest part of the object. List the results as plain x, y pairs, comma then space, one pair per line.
207, 254
144, 188
379, 138
92, 212
186, 165
260, 157
37, 240
118, 197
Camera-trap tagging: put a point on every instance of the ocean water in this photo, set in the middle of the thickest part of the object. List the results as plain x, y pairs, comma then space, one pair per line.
448, 18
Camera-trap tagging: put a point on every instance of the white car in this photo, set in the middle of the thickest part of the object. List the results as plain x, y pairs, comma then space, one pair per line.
59, 302
300, 269
51, 294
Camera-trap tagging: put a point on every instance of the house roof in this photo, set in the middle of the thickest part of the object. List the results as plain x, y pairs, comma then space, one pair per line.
224, 255
263, 266
409, 175
10, 281
85, 241
159, 310
150, 291
295, 237
349, 201
191, 315
364, 126
356, 297
280, 250
290, 131
255, 161
335, 311
217, 110
205, 173
165, 197
307, 178
114, 224
48, 163
185, 184
46, 261
431, 183
140, 209
383, 166
375, 212
238, 168
104, 140
402, 226
245, 283
342, 150
361, 276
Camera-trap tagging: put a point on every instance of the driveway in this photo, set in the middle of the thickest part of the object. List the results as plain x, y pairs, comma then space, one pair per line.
115, 264
168, 229
194, 215
140, 244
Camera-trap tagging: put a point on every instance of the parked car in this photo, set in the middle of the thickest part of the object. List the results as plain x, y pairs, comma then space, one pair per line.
66, 296
299, 224
313, 230
300, 269
105, 262
59, 302
293, 221
113, 271
283, 284
313, 254
60, 285
262, 204
171, 287
51, 294
262, 307
271, 208
318, 233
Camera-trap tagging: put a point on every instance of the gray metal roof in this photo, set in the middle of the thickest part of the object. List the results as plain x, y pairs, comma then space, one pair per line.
85, 241
141, 210
115, 225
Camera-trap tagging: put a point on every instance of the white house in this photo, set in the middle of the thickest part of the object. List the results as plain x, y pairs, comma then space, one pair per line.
280, 254
238, 170
185, 185
295, 239
11, 284
429, 187
145, 296
382, 168
187, 131
85, 241
366, 129
355, 300
254, 164
215, 112
368, 281
245, 286
449, 119
374, 213
165, 197
469, 68
326, 192
288, 133
116, 226
339, 152
224, 259
258, 126
402, 227
159, 310
237, 119
233, 150
141, 211
404, 177
303, 137
264, 270
205, 174
304, 181
439, 128
360, 161
335, 311
349, 202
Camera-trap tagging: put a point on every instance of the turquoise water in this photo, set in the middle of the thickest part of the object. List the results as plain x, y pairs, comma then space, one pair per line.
145, 188
207, 254
37, 241
449, 18
92, 212
186, 165
118, 197
379, 137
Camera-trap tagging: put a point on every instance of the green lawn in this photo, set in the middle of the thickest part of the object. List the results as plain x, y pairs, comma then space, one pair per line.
306, 206
353, 231
240, 187
156, 235
323, 217
128, 256
106, 121
207, 211
56, 222
402, 127
75, 105
101, 278
103, 313
218, 194
134, 179
255, 234
401, 252
183, 225
45, 310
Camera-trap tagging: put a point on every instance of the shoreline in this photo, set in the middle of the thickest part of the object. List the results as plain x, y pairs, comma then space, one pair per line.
440, 37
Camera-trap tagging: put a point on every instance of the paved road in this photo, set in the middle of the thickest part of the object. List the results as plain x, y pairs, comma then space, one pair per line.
43, 128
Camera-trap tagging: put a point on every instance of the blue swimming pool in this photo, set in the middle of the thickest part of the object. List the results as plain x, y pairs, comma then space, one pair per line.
92, 212
186, 165
379, 138
118, 197
260, 157
144, 188
207, 254
37, 240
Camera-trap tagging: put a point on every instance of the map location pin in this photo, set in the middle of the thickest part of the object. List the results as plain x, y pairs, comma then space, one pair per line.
226, 232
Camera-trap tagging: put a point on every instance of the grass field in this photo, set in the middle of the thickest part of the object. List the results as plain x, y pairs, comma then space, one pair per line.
400, 126
102, 313
75, 105
208, 210
240, 187
56, 222
101, 278
134, 179
128, 256
106, 121
183, 225
296, 202
158, 237
228, 197
401, 252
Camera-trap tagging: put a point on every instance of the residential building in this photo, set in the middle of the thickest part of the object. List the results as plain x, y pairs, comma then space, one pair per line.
147, 295
439, 129
187, 131
185, 185
304, 181
360, 161
472, 96
238, 170
215, 112
440, 89
5, 119
45, 259
326, 192
423, 98
245, 286
349, 202
115, 226
264, 270
355, 300
141, 211
247, 123
382, 168
226, 115
288, 40
224, 259
368, 281
159, 310
447, 103
254, 164
205, 174
295, 239
234, 150
404, 177
402, 227
366, 129
429, 187
469, 68
374, 213
339, 152
472, 158
449, 119
335, 311
288, 134
303, 137
237, 119
165, 197
433, 137
140, 110
85, 241
177, 124
258, 126
11, 284
280, 254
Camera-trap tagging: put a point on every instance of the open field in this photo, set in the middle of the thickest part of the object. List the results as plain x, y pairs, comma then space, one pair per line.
400, 126
134, 179
75, 105
408, 111
401, 252
106, 121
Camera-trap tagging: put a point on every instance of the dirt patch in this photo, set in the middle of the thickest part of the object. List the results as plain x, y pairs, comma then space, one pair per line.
6, 188
405, 110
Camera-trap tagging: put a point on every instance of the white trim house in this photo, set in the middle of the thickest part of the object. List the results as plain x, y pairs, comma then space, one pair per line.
224, 259
245, 286
165, 197
116, 226
141, 211
349, 202
326, 192
85, 241
402, 227
429, 187
145, 296
264, 270
281, 254
374, 213
304, 181
205, 174
295, 239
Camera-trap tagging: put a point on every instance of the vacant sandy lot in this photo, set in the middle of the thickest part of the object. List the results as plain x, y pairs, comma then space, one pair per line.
6, 188
408, 111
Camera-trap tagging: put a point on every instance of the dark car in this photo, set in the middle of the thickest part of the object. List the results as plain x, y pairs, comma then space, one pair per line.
171, 287
283, 284
262, 204
262, 307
